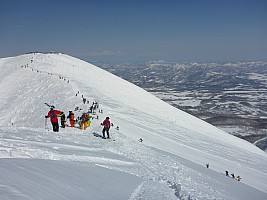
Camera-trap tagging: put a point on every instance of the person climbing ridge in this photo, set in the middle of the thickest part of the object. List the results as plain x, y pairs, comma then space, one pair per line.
53, 114
84, 100
233, 175
84, 120
62, 119
71, 117
226, 173
106, 124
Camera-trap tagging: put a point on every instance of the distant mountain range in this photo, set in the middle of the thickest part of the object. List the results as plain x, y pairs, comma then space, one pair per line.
231, 96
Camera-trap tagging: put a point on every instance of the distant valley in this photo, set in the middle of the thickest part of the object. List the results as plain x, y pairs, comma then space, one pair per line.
231, 96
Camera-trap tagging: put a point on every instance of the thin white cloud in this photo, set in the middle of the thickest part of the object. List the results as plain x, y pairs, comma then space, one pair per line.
105, 53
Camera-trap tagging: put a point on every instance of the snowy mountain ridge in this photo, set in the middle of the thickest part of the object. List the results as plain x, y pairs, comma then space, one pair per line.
28, 81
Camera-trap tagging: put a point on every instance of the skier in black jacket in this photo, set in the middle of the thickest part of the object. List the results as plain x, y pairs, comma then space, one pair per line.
62, 119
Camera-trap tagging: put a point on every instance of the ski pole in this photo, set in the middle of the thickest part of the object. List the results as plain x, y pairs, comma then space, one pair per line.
45, 123
98, 128
110, 134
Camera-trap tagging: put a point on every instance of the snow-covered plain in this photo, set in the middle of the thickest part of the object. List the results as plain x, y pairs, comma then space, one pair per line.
170, 163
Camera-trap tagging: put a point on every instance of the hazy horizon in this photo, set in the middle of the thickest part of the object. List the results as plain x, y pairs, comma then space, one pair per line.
137, 31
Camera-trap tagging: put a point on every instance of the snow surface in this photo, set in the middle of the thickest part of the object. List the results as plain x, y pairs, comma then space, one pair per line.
37, 163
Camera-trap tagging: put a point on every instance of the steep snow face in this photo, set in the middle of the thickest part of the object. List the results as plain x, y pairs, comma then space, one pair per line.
28, 81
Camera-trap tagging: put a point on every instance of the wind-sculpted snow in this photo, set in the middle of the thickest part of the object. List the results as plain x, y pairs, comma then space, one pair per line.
74, 164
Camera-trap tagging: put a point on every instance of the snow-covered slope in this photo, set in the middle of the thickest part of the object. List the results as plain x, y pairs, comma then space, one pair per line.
169, 164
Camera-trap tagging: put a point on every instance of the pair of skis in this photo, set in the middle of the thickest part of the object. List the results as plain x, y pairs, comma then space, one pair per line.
100, 136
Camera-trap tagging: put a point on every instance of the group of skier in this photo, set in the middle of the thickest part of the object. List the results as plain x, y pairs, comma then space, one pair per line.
83, 121
238, 178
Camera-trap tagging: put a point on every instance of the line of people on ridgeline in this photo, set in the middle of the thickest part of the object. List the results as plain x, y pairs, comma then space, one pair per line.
93, 107
84, 100
38, 71
238, 178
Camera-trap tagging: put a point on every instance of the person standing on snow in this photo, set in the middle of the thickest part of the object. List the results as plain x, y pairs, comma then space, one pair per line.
233, 175
62, 119
53, 118
71, 117
84, 100
84, 120
226, 173
106, 124
88, 122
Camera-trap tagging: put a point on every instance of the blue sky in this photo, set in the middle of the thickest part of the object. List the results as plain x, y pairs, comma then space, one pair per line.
137, 30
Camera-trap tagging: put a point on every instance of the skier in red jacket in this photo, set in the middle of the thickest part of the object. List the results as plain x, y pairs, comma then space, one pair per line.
106, 124
53, 118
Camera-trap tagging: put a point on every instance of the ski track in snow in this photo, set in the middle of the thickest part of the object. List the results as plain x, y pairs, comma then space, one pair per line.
171, 160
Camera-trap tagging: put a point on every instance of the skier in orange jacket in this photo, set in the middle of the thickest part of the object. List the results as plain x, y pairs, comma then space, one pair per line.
71, 117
